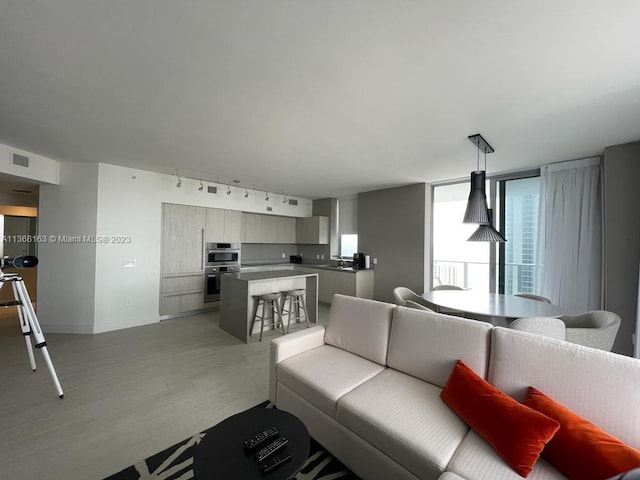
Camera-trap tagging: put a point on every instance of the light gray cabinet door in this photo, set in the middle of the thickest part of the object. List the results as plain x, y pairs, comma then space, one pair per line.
182, 238
286, 230
215, 231
232, 226
252, 228
312, 230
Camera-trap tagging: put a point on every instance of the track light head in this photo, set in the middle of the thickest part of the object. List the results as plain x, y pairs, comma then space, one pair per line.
246, 193
228, 190
179, 182
266, 197
201, 187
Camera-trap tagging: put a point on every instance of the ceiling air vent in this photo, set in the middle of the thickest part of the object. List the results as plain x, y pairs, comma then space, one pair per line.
293, 201
212, 189
20, 160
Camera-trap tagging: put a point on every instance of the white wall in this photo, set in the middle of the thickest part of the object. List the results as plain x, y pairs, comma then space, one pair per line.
127, 204
66, 272
40, 169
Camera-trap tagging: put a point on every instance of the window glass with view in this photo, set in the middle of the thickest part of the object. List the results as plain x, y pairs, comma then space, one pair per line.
467, 264
456, 261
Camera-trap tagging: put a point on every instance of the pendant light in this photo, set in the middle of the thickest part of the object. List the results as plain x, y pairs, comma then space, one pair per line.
486, 232
477, 210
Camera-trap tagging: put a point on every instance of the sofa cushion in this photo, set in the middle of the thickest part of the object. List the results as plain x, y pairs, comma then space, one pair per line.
404, 417
477, 460
427, 345
360, 326
516, 432
602, 387
323, 375
580, 449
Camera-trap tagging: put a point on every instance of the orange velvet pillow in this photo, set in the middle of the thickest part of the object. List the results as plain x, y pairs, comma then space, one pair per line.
580, 450
516, 432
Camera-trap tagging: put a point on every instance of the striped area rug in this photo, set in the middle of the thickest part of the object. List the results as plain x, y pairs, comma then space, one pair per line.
176, 463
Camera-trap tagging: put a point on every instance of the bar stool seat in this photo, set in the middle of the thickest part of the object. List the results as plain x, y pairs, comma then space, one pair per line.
271, 313
297, 306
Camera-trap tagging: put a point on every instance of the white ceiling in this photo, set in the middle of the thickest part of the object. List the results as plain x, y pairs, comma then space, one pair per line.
319, 98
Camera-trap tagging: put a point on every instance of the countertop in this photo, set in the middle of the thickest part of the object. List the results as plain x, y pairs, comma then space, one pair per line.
253, 276
322, 266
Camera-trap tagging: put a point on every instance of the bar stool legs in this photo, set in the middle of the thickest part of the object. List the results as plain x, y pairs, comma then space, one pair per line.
297, 306
271, 313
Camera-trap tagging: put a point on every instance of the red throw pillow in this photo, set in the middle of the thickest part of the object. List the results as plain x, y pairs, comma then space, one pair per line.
580, 450
516, 432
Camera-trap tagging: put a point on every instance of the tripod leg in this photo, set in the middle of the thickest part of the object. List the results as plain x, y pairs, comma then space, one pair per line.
26, 329
37, 332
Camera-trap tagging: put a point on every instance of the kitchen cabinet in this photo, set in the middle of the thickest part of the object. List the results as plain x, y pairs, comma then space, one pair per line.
259, 228
182, 258
312, 230
182, 238
332, 281
223, 225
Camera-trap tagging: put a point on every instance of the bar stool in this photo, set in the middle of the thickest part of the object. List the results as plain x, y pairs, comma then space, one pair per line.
297, 306
270, 309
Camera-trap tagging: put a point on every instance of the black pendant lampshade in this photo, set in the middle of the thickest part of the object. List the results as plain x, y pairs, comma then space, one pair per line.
476, 211
486, 232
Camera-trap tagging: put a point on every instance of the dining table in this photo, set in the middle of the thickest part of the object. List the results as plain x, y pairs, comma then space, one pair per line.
496, 308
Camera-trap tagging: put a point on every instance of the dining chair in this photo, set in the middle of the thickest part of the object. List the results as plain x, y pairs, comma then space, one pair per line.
545, 326
417, 306
402, 295
596, 329
531, 296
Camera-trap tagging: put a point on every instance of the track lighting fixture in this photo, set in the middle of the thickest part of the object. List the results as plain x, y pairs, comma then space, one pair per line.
266, 196
284, 197
228, 189
201, 187
246, 193
179, 182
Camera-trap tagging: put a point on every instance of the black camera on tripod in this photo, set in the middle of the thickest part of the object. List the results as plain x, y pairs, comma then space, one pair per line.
22, 261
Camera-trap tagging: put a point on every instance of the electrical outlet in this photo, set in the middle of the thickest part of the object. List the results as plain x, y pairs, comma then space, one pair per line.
283, 255
375, 261
322, 256
318, 256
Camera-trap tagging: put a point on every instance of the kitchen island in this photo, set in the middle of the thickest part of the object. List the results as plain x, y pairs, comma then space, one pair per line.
237, 291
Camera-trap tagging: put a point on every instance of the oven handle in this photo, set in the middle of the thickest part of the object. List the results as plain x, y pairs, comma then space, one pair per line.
202, 248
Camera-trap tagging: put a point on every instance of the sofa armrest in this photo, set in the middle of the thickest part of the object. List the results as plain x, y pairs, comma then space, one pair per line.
288, 346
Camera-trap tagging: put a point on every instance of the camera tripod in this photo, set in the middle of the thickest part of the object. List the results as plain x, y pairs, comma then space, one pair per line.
29, 324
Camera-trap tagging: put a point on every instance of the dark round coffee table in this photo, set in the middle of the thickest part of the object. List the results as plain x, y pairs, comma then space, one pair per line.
221, 453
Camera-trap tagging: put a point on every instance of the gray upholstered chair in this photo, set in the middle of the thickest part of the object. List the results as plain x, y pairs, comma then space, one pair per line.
545, 326
596, 329
417, 306
447, 287
403, 294
531, 296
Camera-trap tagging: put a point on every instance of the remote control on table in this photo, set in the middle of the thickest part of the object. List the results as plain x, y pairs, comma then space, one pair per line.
270, 449
275, 462
258, 439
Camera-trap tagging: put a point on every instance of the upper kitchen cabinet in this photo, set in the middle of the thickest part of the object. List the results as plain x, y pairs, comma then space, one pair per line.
268, 229
285, 230
182, 238
223, 225
312, 230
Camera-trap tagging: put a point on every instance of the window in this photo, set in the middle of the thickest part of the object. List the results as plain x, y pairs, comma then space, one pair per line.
456, 261
348, 244
505, 268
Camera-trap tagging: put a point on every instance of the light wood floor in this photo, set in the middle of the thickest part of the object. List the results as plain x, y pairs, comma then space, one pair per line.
127, 394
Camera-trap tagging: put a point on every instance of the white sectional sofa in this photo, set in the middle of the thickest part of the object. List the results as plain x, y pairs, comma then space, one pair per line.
368, 388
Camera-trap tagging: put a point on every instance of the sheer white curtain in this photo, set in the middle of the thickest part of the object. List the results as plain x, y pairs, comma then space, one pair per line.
570, 234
